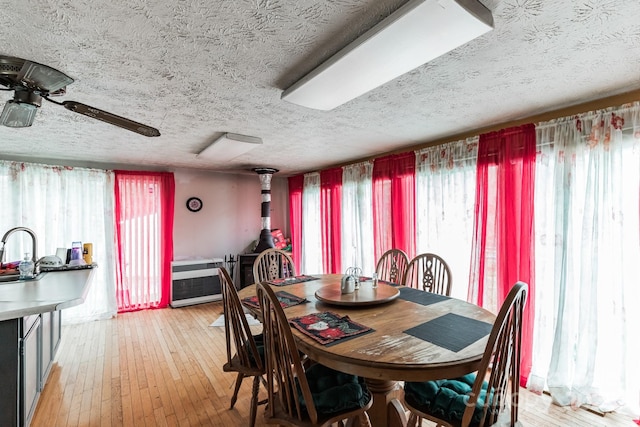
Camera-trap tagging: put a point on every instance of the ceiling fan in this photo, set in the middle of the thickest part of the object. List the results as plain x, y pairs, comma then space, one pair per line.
31, 82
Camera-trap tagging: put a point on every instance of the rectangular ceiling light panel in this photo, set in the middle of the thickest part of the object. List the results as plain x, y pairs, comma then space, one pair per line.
418, 32
229, 146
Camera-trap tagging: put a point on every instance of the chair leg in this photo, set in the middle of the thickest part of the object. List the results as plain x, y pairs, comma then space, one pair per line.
239, 379
254, 399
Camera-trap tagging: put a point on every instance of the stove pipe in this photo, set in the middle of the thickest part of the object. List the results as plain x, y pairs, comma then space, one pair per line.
266, 239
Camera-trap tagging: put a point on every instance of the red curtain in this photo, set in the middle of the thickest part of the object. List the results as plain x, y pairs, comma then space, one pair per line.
394, 198
504, 238
331, 214
296, 183
144, 210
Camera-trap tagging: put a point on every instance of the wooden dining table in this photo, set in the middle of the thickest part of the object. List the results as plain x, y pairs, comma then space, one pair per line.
391, 352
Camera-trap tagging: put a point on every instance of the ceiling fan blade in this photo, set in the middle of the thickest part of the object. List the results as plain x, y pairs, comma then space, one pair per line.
111, 118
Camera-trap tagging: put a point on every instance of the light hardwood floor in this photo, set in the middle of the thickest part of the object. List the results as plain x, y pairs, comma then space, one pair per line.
163, 368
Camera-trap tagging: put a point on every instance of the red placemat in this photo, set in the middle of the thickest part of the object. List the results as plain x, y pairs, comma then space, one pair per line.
291, 280
286, 300
327, 327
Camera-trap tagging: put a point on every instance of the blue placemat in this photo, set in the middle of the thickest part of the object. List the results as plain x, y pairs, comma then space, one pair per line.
451, 331
421, 297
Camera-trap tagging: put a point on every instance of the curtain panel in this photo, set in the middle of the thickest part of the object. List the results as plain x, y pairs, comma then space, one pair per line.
503, 247
144, 210
394, 203
312, 260
587, 249
296, 184
62, 205
331, 213
445, 195
357, 217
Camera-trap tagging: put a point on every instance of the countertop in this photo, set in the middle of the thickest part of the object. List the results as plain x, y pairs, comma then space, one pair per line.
54, 290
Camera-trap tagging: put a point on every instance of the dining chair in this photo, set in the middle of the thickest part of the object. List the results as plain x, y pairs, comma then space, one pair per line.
273, 264
392, 265
245, 352
429, 272
317, 396
472, 400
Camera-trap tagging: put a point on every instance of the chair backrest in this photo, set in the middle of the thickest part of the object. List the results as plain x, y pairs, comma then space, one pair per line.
429, 272
242, 352
285, 373
501, 361
273, 264
392, 265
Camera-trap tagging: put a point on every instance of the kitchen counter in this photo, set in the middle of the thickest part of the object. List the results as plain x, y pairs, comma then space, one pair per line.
54, 290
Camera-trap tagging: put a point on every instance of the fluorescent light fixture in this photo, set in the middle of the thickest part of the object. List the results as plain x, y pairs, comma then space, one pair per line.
419, 31
229, 146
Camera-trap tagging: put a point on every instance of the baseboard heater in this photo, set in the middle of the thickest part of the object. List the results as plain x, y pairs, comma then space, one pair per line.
195, 281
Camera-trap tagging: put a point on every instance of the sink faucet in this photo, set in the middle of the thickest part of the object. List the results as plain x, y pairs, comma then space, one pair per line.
34, 242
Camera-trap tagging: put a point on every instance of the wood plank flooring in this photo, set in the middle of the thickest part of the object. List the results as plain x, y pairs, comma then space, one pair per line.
163, 368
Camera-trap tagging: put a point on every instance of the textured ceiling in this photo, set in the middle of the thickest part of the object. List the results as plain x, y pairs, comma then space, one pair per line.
197, 68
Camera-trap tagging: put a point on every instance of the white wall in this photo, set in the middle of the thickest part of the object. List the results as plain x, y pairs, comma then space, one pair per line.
229, 220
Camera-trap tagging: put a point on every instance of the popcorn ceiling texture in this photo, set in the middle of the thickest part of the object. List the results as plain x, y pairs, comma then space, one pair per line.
197, 68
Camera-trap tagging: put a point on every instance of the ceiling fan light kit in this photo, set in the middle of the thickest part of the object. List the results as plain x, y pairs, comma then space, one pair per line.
20, 113
416, 33
31, 82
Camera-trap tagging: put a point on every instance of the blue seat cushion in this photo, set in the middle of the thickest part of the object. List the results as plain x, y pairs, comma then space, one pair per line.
447, 399
333, 391
259, 340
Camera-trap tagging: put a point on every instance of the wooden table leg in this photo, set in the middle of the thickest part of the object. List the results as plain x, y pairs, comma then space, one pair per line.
384, 410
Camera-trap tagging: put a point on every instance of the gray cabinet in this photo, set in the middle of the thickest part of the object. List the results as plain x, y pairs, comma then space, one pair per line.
51, 332
45, 348
28, 348
56, 331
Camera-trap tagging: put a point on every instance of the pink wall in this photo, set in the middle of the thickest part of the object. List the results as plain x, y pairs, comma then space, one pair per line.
230, 217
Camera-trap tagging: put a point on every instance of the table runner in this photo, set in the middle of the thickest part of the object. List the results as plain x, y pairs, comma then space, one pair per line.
286, 300
328, 328
451, 331
291, 280
421, 297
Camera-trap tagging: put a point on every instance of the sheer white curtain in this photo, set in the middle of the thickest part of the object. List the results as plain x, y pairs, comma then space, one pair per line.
62, 205
587, 253
311, 230
357, 217
445, 197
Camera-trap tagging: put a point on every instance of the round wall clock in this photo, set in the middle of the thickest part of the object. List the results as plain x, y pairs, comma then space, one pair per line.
194, 204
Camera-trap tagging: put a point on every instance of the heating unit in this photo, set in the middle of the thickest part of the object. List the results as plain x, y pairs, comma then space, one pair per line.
195, 281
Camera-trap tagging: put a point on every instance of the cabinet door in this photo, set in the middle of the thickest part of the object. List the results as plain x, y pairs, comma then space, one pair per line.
30, 367
56, 332
10, 378
46, 355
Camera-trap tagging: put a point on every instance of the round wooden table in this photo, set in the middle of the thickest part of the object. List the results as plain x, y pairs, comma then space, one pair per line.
387, 354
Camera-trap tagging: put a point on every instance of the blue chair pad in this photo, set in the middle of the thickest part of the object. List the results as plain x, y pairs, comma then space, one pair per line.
333, 391
447, 399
